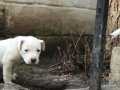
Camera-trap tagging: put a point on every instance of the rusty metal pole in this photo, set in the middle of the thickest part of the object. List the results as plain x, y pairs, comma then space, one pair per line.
98, 45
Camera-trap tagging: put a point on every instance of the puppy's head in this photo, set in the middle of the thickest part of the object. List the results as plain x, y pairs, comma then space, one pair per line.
30, 49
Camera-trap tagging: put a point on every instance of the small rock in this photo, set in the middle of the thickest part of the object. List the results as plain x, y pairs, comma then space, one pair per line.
11, 87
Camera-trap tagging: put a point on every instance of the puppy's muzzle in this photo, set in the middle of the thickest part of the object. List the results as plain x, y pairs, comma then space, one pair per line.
33, 60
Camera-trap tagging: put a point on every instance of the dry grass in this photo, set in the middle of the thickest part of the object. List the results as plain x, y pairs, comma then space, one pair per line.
75, 57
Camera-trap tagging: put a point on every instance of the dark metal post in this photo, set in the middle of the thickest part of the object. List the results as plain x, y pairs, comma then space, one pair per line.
98, 47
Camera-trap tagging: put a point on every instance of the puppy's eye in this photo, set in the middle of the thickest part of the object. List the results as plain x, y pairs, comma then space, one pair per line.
26, 50
38, 50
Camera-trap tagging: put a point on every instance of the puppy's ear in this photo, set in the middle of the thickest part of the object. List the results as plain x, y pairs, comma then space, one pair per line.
20, 44
42, 42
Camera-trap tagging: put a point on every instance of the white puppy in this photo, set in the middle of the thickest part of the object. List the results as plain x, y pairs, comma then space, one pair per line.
13, 49
115, 33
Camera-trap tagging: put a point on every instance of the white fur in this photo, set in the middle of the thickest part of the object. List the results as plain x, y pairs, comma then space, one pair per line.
115, 33
13, 49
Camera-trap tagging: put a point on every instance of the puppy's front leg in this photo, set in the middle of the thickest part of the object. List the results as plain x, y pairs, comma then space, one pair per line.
7, 72
7, 67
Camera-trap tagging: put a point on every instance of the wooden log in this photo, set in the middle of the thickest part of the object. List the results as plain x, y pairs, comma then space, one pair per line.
33, 76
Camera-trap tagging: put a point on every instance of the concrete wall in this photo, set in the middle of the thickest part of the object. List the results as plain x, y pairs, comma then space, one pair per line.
50, 17
53, 20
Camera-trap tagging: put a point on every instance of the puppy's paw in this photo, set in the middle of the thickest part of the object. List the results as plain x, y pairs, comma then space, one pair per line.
14, 76
8, 82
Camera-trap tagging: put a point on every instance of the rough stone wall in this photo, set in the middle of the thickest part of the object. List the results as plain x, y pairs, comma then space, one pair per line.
113, 16
115, 65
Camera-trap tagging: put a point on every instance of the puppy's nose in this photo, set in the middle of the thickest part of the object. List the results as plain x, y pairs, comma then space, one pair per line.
33, 60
